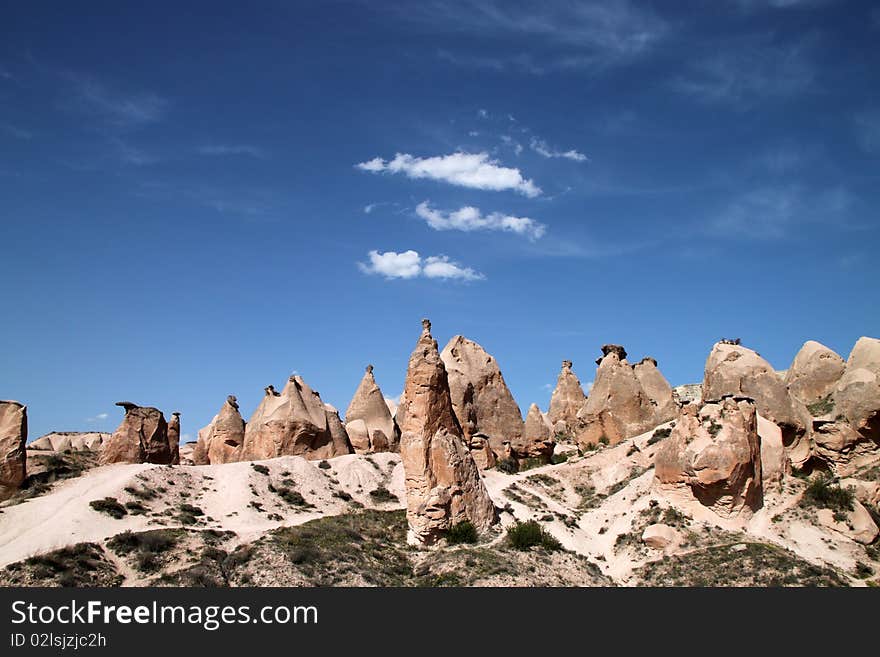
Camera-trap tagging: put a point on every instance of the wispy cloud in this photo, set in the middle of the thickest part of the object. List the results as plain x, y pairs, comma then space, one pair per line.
747, 73
541, 148
134, 156
118, 109
600, 34
513, 143
775, 212
409, 264
474, 170
98, 418
867, 127
469, 218
231, 149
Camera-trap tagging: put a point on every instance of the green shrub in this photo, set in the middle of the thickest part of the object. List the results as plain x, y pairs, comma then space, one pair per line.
382, 494
510, 466
524, 535
604, 440
292, 497
262, 469
823, 494
324, 465
659, 434
462, 532
821, 407
559, 458
110, 506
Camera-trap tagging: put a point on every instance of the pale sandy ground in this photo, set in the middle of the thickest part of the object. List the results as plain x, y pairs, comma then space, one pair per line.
225, 493
64, 517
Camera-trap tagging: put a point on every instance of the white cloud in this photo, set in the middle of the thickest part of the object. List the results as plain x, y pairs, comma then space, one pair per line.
98, 418
369, 207
469, 218
513, 143
483, 114
541, 148
409, 264
474, 170
227, 149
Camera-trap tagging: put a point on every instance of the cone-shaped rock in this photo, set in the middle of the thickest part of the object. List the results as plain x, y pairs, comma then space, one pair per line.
658, 390
538, 435
618, 407
377, 431
13, 436
814, 373
294, 422
714, 454
142, 437
567, 399
221, 441
443, 484
732, 369
480, 397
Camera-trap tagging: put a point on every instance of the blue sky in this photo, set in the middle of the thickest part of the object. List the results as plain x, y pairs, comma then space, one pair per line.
198, 199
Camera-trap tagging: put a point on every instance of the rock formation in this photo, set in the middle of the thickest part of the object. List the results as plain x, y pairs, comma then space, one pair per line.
142, 437
538, 435
174, 437
814, 373
480, 397
618, 406
13, 436
714, 455
567, 399
732, 369
69, 441
443, 484
856, 398
657, 388
223, 439
374, 427
294, 422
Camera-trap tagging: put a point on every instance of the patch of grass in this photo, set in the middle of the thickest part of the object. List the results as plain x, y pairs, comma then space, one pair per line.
259, 467
462, 532
293, 497
109, 506
659, 434
510, 466
556, 459
143, 493
136, 508
146, 547
532, 462
759, 564
604, 440
383, 495
324, 465
80, 565
824, 406
525, 535
821, 493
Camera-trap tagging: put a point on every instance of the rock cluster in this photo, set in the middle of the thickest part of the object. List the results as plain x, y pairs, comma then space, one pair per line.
368, 420
69, 441
814, 373
294, 422
443, 484
142, 437
625, 400
13, 436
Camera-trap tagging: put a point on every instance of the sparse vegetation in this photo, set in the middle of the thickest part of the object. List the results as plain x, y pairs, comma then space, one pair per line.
109, 506
824, 406
659, 434
293, 497
556, 459
146, 547
259, 467
80, 565
383, 495
823, 494
510, 466
324, 465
